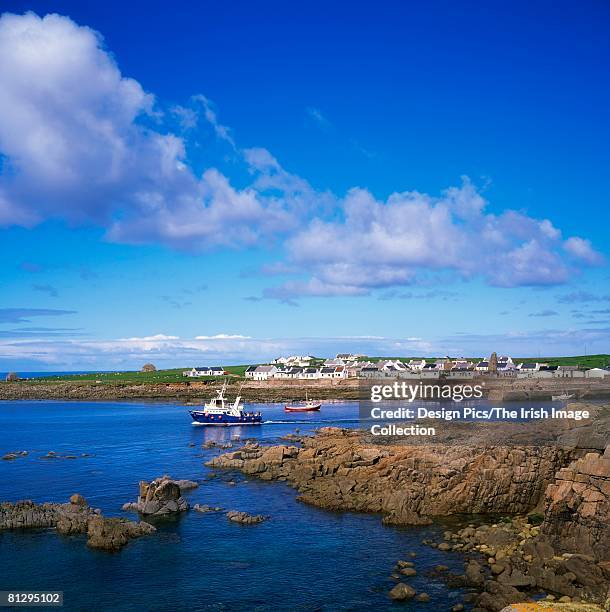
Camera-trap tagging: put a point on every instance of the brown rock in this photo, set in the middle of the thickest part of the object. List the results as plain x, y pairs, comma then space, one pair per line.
402, 592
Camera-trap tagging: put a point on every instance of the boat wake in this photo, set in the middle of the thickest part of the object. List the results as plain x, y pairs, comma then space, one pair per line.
310, 422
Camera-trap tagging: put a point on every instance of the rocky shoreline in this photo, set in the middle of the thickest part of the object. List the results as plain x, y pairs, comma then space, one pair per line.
74, 517
554, 540
157, 500
281, 391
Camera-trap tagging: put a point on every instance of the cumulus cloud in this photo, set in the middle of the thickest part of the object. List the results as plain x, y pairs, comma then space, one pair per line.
77, 144
82, 142
583, 250
380, 244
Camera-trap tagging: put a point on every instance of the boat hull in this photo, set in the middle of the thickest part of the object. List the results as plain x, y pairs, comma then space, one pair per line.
314, 408
225, 420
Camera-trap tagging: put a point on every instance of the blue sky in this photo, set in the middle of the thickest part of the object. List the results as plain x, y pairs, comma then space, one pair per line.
222, 183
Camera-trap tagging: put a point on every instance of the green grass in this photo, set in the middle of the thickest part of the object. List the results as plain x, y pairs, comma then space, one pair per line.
160, 376
584, 361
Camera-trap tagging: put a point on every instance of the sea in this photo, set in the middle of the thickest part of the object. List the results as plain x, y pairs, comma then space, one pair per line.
302, 559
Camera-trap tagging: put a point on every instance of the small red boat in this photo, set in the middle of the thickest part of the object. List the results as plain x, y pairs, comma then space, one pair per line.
306, 406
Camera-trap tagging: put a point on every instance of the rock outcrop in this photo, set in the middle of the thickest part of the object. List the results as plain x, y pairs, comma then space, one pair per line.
338, 469
577, 507
161, 497
14, 455
402, 592
517, 560
76, 517
235, 516
204, 508
114, 533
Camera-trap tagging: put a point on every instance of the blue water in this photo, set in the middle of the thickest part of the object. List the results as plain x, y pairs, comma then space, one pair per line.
302, 559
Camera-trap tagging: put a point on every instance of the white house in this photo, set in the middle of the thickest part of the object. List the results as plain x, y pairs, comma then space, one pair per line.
482, 366
569, 371
293, 360
309, 373
529, 367
417, 364
264, 372
327, 372
596, 373
205, 371
349, 356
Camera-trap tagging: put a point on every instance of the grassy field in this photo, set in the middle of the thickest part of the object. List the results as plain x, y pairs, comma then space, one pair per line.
160, 376
584, 361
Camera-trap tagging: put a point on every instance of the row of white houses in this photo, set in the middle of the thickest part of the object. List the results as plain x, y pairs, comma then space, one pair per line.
204, 371
347, 365
265, 372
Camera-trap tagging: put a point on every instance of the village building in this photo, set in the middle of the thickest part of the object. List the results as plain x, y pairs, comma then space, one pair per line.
417, 364
569, 371
340, 372
482, 366
204, 371
310, 373
264, 372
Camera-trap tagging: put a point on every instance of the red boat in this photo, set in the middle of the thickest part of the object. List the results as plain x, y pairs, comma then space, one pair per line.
306, 406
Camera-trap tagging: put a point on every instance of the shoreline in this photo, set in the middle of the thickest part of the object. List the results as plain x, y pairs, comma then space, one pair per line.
276, 391
544, 511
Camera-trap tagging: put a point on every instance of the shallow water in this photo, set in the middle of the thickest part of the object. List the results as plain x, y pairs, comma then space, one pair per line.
303, 558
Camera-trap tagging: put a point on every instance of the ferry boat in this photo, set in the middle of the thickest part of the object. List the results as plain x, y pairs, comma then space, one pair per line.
219, 411
306, 406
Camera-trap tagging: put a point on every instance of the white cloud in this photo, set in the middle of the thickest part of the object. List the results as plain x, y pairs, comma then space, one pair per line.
155, 338
171, 351
224, 337
377, 244
583, 250
84, 143
74, 134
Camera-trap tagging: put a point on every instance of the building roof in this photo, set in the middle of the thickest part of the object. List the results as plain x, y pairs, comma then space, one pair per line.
265, 368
